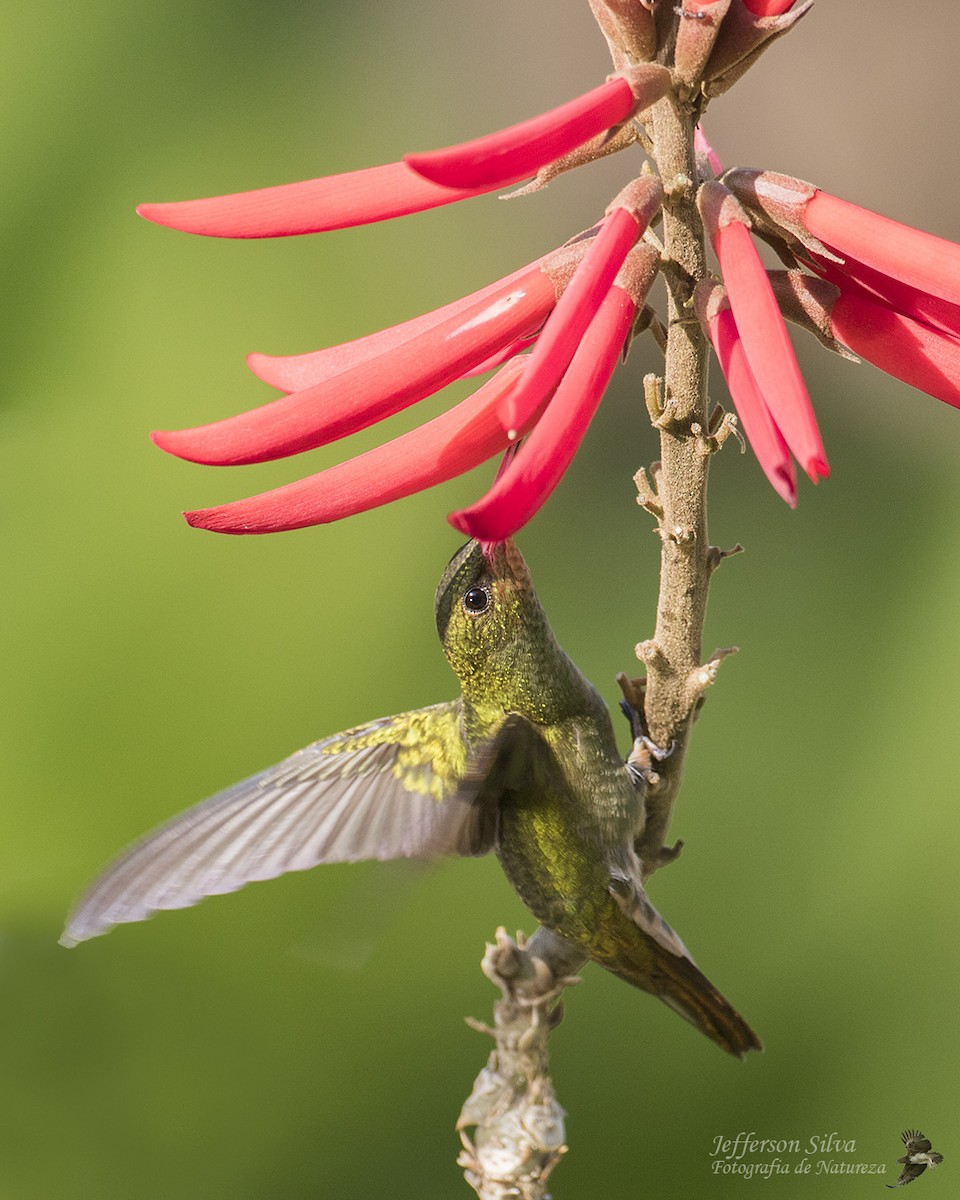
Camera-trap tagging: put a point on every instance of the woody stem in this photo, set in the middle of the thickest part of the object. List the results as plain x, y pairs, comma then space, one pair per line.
674, 678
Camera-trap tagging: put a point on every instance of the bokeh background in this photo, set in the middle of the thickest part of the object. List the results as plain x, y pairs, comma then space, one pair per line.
305, 1038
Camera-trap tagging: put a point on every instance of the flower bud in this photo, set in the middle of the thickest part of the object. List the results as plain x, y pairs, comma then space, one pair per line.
807, 302
630, 30
776, 204
700, 22
741, 40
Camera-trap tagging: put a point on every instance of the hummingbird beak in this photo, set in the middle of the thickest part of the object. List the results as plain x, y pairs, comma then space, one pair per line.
506, 562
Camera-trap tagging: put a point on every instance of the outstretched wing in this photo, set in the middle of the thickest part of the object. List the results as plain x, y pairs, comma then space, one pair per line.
908, 1174
388, 789
915, 1141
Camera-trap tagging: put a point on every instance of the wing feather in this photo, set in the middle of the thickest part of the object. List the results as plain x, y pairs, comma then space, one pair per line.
388, 789
915, 1141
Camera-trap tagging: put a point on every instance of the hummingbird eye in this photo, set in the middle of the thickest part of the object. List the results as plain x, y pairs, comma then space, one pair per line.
477, 600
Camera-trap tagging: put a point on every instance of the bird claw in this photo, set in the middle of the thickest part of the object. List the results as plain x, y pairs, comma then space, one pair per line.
641, 759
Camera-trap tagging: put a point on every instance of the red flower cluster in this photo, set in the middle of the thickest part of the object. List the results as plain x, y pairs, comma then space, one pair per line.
576, 307
882, 290
553, 331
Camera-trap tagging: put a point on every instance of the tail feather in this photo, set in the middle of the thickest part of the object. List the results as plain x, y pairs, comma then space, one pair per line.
645, 952
691, 994
685, 989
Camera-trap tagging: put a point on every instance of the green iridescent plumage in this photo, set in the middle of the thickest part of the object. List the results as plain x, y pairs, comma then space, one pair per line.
524, 762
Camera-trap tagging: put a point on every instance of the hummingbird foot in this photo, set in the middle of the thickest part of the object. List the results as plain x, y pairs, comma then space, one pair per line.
631, 705
641, 758
645, 751
664, 856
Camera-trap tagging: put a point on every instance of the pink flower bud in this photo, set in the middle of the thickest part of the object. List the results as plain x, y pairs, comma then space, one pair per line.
743, 37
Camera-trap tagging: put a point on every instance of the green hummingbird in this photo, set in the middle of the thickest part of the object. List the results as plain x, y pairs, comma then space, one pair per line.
524, 763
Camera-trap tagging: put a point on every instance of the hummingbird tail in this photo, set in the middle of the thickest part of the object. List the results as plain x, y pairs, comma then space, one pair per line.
645, 951
680, 984
691, 994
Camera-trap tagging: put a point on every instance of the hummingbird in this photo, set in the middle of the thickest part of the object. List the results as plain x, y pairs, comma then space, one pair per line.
523, 763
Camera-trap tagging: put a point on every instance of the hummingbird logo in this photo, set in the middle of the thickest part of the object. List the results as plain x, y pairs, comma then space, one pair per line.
920, 1155
524, 763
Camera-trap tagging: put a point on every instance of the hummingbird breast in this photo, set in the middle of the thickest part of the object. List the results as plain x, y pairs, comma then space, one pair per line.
564, 830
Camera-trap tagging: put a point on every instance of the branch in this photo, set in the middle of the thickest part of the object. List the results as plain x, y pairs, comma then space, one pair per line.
690, 434
519, 1132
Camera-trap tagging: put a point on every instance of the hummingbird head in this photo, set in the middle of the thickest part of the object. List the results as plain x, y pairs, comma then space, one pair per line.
495, 633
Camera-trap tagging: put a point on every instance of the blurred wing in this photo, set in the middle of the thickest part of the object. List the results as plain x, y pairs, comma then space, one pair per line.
384, 790
516, 758
915, 1141
909, 1174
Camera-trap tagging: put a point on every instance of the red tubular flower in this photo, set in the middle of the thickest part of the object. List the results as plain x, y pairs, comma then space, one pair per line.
926, 262
375, 387
898, 302
518, 152
626, 219
915, 352
909, 350
900, 296
293, 372
313, 206
768, 8
831, 230
895, 299
766, 440
397, 189
762, 330
450, 444
536, 468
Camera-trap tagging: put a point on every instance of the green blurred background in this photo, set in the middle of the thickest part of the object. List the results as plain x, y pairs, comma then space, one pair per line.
305, 1038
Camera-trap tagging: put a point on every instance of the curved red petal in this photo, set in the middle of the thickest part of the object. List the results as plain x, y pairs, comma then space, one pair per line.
570, 318
911, 301
504, 354
312, 206
372, 389
768, 8
293, 372
521, 150
908, 350
539, 464
922, 260
767, 345
449, 445
760, 429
